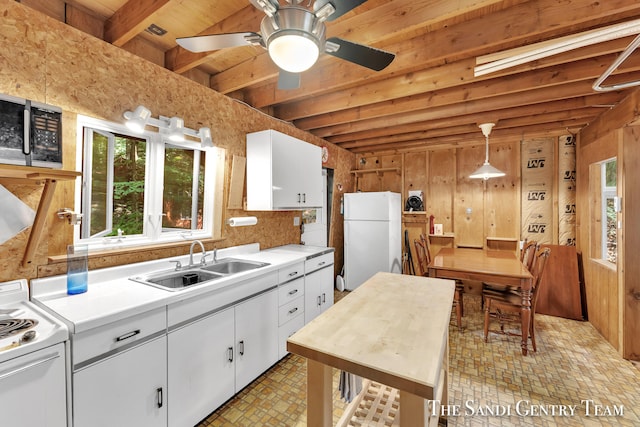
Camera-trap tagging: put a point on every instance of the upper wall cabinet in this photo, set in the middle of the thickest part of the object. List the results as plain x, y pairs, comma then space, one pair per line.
283, 173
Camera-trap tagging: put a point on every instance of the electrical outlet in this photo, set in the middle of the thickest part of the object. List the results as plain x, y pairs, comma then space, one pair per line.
296, 221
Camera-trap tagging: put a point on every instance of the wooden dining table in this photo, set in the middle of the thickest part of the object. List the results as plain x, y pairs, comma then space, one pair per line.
392, 329
490, 266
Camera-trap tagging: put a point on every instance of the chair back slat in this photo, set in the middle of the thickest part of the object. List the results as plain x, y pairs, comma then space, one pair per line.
528, 254
423, 254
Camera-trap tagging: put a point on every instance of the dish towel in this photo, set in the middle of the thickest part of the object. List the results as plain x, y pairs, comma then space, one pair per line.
350, 386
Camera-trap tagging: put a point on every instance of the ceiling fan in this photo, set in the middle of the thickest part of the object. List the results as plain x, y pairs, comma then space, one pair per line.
294, 36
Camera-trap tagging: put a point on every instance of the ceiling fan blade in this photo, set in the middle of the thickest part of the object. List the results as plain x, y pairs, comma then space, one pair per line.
218, 41
341, 6
287, 80
366, 56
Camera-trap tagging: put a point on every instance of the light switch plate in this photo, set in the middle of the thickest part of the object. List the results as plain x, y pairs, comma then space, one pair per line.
296, 221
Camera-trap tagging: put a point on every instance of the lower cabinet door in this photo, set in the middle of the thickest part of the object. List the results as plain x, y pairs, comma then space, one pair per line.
318, 292
256, 337
127, 389
201, 368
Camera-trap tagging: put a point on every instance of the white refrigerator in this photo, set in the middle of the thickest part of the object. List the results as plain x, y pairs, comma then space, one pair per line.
372, 236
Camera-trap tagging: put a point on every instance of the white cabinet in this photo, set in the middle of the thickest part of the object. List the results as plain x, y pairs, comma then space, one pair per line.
318, 285
214, 357
282, 172
120, 373
201, 372
256, 345
291, 307
126, 389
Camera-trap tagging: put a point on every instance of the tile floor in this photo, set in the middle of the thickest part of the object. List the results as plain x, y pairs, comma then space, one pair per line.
574, 367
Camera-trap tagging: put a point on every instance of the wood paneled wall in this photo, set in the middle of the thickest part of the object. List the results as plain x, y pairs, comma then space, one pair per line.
469, 210
612, 291
47, 61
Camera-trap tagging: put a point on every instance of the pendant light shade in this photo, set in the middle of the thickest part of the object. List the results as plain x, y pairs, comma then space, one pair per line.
486, 171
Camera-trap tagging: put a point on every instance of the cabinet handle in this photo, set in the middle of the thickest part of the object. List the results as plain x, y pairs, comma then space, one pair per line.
128, 335
319, 300
241, 351
295, 273
159, 397
304, 197
295, 291
320, 264
230, 354
324, 297
293, 310
298, 197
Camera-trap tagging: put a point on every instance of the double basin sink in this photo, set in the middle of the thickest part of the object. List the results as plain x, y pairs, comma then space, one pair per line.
182, 278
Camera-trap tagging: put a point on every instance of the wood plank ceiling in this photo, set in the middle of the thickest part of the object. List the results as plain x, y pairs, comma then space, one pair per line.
428, 96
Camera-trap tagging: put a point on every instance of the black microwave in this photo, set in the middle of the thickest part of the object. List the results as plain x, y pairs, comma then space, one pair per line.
30, 133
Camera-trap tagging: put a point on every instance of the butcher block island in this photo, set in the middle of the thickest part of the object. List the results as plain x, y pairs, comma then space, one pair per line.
392, 330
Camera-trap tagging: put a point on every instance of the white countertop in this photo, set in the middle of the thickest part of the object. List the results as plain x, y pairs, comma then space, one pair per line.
111, 296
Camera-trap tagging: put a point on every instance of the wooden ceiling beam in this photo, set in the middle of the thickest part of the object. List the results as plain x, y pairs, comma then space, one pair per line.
584, 114
415, 14
436, 105
394, 88
446, 76
418, 130
513, 26
131, 19
507, 135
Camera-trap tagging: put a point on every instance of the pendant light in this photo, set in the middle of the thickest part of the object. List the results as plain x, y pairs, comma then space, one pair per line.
486, 171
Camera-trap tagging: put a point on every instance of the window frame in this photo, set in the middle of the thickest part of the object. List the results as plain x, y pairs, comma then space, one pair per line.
606, 193
153, 232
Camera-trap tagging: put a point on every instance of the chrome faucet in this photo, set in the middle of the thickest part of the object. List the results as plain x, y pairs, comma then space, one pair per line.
204, 253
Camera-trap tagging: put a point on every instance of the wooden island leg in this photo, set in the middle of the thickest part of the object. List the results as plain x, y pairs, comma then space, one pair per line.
319, 394
412, 410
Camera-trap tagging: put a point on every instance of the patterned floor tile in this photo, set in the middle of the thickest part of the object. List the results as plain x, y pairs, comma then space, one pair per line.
491, 383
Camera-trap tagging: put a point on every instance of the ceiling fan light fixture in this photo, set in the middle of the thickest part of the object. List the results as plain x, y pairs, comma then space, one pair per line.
486, 171
294, 51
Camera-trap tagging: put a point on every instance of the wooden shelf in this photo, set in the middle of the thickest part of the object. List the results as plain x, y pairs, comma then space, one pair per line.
26, 175
378, 171
414, 212
443, 236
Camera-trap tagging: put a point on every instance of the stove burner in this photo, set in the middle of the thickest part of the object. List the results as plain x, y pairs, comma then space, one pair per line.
10, 327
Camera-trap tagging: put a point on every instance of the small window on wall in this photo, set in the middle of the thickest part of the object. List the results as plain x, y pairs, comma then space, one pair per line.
609, 211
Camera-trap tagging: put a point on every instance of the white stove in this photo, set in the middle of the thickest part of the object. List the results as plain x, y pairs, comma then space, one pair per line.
32, 361
18, 316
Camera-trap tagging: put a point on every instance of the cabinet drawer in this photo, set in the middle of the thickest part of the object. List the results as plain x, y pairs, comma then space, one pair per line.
100, 340
291, 310
291, 272
318, 262
290, 291
285, 331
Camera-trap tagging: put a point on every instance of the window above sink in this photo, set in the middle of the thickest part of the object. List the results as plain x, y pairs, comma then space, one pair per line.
121, 198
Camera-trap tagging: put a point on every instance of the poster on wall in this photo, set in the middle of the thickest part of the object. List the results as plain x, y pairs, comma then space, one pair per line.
537, 185
567, 190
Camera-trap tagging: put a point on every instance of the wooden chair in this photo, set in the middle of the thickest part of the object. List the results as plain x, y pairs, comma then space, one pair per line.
423, 253
505, 305
527, 256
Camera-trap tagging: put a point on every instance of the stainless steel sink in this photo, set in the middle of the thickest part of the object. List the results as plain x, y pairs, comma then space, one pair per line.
176, 280
232, 266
